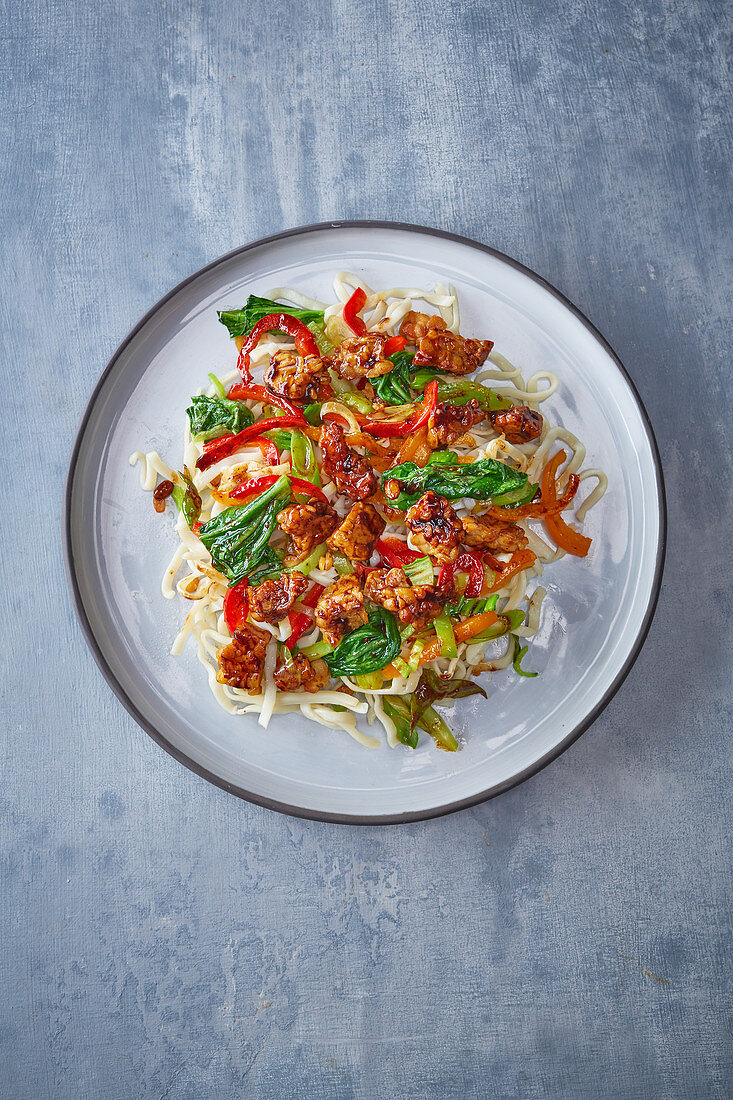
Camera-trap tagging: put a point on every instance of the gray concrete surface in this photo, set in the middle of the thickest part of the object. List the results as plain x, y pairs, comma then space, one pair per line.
569, 939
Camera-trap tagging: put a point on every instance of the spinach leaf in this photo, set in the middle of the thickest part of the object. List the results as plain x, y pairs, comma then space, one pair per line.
398, 710
479, 480
368, 648
433, 689
239, 322
210, 417
394, 388
270, 566
237, 539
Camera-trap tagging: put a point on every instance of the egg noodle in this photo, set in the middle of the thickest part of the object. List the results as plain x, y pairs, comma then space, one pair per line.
192, 575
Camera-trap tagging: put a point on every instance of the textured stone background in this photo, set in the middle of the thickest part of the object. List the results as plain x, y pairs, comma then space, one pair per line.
569, 939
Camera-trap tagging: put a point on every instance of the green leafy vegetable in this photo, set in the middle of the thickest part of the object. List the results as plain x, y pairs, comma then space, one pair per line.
237, 539
518, 655
368, 648
399, 711
433, 689
240, 322
269, 568
438, 729
394, 388
210, 417
479, 480
187, 500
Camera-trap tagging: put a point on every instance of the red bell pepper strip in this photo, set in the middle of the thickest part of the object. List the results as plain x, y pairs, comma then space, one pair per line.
270, 453
259, 484
243, 367
299, 623
565, 537
393, 345
312, 597
352, 307
242, 391
226, 445
236, 607
472, 565
390, 429
445, 577
305, 343
253, 391
397, 553
300, 485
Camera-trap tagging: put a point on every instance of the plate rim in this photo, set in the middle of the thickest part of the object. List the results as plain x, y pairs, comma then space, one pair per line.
301, 811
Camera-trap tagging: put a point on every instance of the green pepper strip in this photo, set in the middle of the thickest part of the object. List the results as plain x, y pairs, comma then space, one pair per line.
341, 563
357, 402
312, 473
311, 562
459, 392
303, 458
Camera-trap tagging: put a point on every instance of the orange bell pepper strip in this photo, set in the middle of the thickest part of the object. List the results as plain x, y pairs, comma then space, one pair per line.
565, 537
520, 560
463, 631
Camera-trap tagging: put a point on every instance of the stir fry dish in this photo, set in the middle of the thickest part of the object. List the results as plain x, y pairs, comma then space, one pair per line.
363, 501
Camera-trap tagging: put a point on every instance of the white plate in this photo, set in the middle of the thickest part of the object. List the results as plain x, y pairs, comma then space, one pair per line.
594, 620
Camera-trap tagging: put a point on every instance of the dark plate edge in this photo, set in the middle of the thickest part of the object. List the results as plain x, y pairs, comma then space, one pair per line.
302, 812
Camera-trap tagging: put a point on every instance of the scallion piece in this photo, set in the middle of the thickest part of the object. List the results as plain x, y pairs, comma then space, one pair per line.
217, 384
517, 662
444, 630
420, 571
